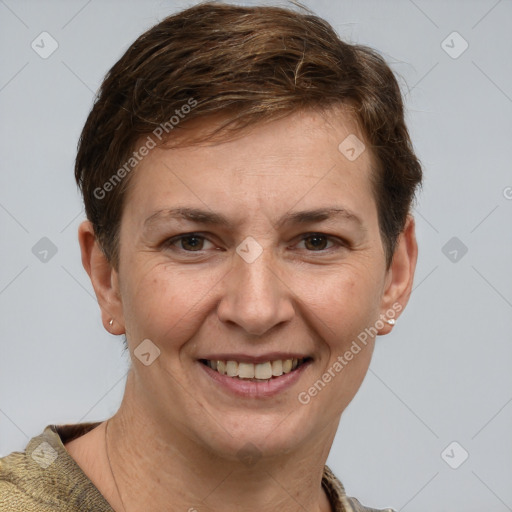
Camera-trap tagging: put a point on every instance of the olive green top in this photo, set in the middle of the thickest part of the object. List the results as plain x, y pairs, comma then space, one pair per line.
45, 478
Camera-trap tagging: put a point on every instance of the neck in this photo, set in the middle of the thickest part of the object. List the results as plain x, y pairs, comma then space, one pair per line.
154, 465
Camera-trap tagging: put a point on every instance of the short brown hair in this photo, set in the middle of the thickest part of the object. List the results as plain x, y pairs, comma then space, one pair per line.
249, 64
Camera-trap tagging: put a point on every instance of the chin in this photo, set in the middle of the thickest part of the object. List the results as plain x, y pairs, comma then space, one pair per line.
256, 434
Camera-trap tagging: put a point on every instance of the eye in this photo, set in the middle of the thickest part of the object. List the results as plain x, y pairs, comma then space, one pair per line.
190, 242
317, 242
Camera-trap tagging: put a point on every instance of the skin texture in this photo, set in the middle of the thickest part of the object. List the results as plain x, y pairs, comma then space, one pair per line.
177, 435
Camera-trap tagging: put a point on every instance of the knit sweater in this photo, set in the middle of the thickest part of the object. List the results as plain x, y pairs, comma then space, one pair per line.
45, 478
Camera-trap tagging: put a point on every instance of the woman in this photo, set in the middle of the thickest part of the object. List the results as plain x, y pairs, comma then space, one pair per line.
248, 181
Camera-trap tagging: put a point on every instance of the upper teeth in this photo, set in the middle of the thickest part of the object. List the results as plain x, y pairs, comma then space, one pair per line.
261, 371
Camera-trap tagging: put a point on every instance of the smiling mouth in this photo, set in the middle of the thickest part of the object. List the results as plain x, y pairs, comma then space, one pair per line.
260, 372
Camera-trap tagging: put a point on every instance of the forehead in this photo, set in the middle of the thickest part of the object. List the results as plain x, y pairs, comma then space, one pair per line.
305, 157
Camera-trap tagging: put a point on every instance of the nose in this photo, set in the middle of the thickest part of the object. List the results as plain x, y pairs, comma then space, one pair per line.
255, 298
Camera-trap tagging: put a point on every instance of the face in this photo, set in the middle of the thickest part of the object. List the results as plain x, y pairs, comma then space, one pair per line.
249, 257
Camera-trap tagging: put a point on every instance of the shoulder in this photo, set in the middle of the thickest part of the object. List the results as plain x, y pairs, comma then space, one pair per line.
338, 498
357, 507
45, 478
17, 477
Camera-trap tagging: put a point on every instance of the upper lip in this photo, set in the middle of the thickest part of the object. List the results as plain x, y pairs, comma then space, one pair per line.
246, 358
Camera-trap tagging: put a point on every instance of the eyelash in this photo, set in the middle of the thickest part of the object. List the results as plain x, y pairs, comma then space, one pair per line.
170, 243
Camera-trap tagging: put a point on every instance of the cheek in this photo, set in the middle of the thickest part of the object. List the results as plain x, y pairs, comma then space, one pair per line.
342, 310
166, 305
343, 301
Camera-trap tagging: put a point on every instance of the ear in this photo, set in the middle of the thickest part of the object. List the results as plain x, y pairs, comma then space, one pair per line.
104, 279
400, 276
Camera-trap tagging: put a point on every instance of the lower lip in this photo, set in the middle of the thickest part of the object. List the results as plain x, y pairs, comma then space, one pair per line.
251, 389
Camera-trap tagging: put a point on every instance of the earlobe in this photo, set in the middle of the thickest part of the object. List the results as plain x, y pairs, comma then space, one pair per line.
400, 276
103, 278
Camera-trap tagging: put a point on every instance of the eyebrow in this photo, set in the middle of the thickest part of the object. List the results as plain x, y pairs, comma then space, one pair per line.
216, 219
319, 215
190, 214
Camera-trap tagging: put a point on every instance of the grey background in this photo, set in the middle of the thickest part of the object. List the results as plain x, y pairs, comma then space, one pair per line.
443, 375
